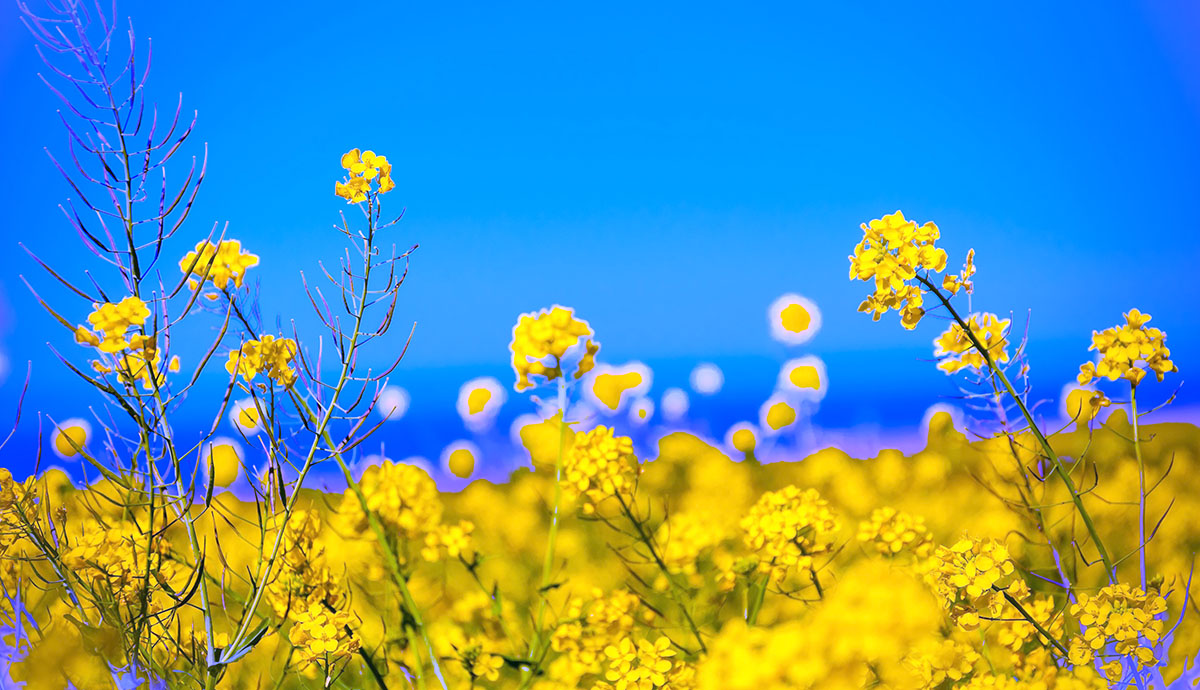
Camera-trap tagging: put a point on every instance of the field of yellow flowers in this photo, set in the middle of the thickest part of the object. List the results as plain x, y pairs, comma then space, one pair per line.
1028, 557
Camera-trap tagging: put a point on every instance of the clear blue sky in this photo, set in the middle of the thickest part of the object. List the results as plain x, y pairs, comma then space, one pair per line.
668, 170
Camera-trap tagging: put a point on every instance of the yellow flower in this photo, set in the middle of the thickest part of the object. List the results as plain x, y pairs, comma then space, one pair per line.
320, 636
1126, 351
600, 465
786, 528
969, 577
113, 320
1123, 616
363, 168
890, 532
953, 283
221, 263
893, 253
269, 355
641, 666
548, 335
956, 351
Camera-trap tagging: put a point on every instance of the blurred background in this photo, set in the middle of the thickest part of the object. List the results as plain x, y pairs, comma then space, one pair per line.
667, 171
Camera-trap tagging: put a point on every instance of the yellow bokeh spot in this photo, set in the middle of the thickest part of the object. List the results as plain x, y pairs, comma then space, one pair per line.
67, 440
477, 400
1077, 403
805, 376
226, 465
609, 387
461, 462
248, 417
744, 441
543, 440
780, 415
642, 413
796, 318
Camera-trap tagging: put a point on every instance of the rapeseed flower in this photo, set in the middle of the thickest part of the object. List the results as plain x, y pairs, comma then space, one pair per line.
1127, 351
541, 341
893, 253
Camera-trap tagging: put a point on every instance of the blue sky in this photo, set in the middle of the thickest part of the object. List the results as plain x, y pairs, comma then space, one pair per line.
667, 170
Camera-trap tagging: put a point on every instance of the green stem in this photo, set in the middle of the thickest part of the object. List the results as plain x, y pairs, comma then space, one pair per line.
552, 537
1041, 630
758, 594
1137, 450
1059, 468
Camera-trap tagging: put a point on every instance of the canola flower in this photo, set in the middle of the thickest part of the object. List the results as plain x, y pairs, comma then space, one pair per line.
971, 576
956, 350
599, 466
786, 529
219, 264
363, 170
541, 341
893, 253
1127, 351
267, 355
1127, 618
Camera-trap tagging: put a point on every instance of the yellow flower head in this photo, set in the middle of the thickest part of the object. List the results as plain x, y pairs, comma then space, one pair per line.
893, 252
1126, 351
112, 320
218, 263
321, 636
956, 351
599, 465
548, 335
363, 168
1121, 615
269, 355
786, 528
969, 578
891, 532
641, 666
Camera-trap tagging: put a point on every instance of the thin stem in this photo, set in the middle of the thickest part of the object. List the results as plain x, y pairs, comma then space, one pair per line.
552, 536
1041, 630
662, 566
1137, 450
1059, 468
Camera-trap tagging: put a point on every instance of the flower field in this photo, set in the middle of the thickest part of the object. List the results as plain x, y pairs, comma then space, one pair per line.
1016, 552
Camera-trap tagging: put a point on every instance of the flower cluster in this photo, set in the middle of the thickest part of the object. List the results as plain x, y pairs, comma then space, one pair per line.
952, 283
600, 465
640, 666
363, 167
970, 577
1123, 348
218, 264
402, 496
304, 578
955, 350
449, 540
114, 560
892, 252
322, 636
113, 321
269, 355
587, 626
685, 537
477, 662
939, 661
891, 532
1122, 616
548, 334
786, 528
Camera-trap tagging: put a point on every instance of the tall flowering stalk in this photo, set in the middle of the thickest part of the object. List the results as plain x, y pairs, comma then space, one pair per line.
901, 258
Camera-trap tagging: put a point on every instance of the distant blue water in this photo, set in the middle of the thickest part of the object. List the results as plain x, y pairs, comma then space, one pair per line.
668, 171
